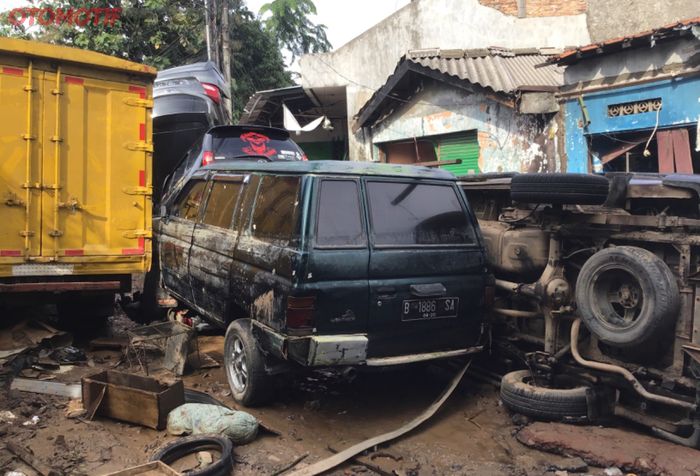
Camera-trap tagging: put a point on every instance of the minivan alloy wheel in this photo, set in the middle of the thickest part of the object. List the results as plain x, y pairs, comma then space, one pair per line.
237, 368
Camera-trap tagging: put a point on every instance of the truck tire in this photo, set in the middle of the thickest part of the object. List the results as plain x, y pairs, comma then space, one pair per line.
568, 402
182, 447
245, 365
627, 296
573, 189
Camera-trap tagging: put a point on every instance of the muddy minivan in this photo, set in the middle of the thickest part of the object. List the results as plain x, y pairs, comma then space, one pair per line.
319, 264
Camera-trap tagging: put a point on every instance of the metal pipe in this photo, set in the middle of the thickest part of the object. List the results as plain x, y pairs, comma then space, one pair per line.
624, 373
507, 285
515, 312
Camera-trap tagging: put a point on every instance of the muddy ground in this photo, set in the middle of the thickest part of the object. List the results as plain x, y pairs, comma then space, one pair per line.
315, 415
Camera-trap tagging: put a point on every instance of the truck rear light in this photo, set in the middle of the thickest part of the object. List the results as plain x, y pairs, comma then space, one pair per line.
207, 157
300, 312
212, 91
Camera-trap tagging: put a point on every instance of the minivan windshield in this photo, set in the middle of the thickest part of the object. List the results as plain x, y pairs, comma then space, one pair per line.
417, 214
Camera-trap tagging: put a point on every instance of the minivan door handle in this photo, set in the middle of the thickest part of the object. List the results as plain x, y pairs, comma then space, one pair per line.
428, 290
386, 292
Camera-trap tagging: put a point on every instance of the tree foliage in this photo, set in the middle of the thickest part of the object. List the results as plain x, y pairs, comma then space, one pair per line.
289, 23
167, 33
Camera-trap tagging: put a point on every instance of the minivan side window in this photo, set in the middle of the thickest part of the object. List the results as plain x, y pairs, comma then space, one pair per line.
339, 218
411, 213
221, 203
276, 208
188, 204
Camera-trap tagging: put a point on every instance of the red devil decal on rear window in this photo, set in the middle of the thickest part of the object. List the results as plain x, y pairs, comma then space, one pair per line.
257, 144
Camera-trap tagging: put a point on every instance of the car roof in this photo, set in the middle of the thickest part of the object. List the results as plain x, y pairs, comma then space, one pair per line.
332, 167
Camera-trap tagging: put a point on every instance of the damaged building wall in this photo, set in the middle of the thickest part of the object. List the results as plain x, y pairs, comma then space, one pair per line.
508, 141
364, 63
668, 73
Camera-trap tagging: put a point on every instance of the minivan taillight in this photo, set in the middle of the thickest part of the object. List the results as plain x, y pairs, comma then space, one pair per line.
212, 91
300, 312
207, 157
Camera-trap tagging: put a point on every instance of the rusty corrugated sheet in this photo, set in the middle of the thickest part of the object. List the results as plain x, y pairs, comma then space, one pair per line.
502, 70
644, 38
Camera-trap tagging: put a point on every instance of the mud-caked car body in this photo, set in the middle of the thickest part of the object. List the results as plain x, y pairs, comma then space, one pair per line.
598, 295
315, 264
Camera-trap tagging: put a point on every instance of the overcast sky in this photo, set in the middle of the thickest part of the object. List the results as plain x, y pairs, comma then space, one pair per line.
345, 19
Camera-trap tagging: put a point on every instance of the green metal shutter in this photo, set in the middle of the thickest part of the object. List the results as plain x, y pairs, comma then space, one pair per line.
318, 150
463, 145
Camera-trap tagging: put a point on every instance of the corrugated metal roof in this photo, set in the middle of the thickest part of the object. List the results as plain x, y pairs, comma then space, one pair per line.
501, 70
645, 38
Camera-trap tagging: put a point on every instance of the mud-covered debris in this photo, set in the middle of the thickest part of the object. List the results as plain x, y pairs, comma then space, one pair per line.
571, 465
201, 418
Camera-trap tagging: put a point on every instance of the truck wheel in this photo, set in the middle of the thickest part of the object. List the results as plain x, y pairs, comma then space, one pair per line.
567, 401
627, 297
245, 365
574, 189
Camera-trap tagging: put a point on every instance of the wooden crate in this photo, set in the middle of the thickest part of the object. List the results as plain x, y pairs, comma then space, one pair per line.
132, 398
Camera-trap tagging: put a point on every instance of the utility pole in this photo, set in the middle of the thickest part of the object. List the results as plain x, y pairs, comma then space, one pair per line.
208, 30
226, 53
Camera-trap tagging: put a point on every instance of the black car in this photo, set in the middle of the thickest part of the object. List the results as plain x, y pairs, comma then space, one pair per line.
233, 143
324, 263
187, 101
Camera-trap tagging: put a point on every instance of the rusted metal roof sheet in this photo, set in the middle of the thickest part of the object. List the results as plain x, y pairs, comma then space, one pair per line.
502, 70
645, 38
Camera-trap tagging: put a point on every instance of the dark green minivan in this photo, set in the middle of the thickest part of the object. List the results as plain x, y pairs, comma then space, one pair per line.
325, 264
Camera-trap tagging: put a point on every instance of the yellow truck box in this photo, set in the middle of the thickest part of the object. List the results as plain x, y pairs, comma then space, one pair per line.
75, 170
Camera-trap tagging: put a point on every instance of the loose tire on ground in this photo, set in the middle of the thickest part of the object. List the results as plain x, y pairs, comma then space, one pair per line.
627, 296
520, 395
182, 447
574, 189
245, 365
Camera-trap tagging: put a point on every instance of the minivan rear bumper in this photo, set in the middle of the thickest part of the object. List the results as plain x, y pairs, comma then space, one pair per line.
335, 350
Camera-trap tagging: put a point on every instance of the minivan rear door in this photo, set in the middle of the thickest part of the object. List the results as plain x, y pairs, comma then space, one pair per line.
426, 268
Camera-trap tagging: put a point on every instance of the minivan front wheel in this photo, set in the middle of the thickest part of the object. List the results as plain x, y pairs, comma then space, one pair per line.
245, 365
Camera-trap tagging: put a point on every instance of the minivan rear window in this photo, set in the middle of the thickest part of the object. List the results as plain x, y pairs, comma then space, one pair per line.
404, 213
255, 144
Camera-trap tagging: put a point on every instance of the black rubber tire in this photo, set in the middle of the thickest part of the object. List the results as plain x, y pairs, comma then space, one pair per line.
573, 189
259, 386
659, 291
182, 447
552, 404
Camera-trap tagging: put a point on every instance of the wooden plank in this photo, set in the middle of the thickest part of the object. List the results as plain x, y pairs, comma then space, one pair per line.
29, 458
148, 469
664, 144
48, 388
681, 151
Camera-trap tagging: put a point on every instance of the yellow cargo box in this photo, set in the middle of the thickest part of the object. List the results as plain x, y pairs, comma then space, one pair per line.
75, 169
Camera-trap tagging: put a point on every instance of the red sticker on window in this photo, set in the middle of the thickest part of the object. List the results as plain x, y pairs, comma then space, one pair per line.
257, 144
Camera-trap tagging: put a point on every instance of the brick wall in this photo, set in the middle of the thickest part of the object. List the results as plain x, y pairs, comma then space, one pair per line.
539, 8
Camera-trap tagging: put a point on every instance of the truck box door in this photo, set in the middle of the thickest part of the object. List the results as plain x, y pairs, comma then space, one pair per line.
20, 167
95, 164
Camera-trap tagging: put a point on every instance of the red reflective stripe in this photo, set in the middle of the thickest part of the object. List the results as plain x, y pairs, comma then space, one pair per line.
13, 71
142, 131
73, 252
10, 253
74, 80
136, 251
138, 89
142, 178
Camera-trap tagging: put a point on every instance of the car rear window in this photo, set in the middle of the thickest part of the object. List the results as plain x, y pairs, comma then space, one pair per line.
255, 144
339, 220
417, 214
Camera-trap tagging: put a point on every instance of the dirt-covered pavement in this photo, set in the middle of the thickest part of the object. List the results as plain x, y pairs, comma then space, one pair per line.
315, 415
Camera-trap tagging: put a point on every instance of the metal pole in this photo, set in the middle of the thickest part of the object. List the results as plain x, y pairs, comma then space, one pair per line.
226, 54
207, 28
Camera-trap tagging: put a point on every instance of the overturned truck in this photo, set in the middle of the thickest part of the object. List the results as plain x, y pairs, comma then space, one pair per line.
598, 295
